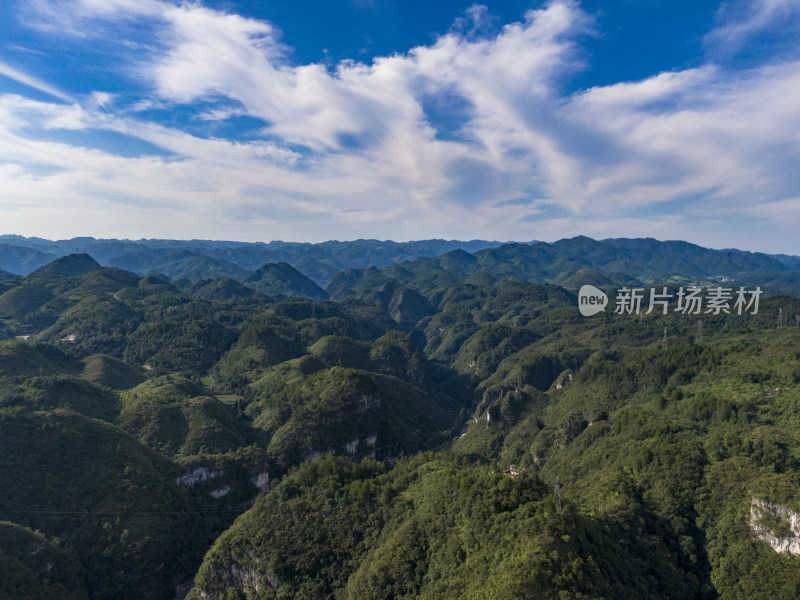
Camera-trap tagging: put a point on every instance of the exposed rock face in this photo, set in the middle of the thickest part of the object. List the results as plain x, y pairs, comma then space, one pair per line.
244, 574
198, 475
366, 402
776, 525
352, 448
371, 442
261, 481
223, 491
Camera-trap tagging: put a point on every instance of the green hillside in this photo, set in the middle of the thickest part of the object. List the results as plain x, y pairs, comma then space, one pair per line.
63, 392
281, 279
20, 359
444, 427
576, 261
110, 372
434, 526
33, 568
21, 301
66, 266
106, 497
306, 409
224, 288
8, 278
174, 416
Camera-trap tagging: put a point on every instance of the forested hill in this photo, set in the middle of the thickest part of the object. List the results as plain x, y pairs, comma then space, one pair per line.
201, 259
574, 262
438, 431
338, 267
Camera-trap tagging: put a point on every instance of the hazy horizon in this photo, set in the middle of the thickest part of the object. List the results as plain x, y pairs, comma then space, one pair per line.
396, 241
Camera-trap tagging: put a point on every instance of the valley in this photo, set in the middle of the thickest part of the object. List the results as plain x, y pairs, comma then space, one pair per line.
420, 420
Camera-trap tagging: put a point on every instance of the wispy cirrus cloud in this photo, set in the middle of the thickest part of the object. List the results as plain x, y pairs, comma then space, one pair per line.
470, 136
739, 22
70, 17
30, 81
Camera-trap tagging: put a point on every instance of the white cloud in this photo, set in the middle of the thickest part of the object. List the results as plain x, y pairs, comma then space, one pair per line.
716, 135
739, 21
25, 79
101, 99
69, 17
355, 150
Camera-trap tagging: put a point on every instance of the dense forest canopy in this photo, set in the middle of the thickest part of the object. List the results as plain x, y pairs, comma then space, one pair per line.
441, 422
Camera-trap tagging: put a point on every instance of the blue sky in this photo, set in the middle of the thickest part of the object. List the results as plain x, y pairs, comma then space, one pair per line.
343, 119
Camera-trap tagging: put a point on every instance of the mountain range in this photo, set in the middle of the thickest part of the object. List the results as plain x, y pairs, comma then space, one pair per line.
443, 427
200, 259
337, 269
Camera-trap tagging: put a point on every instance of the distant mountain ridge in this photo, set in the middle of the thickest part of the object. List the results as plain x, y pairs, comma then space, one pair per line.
201, 259
579, 260
21, 260
339, 269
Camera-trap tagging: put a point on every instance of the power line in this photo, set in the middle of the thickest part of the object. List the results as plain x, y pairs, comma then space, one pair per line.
100, 513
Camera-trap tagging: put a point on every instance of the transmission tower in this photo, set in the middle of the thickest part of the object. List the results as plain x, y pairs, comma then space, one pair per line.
699, 331
780, 318
664, 341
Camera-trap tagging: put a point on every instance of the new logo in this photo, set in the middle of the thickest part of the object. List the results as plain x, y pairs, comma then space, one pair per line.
591, 300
